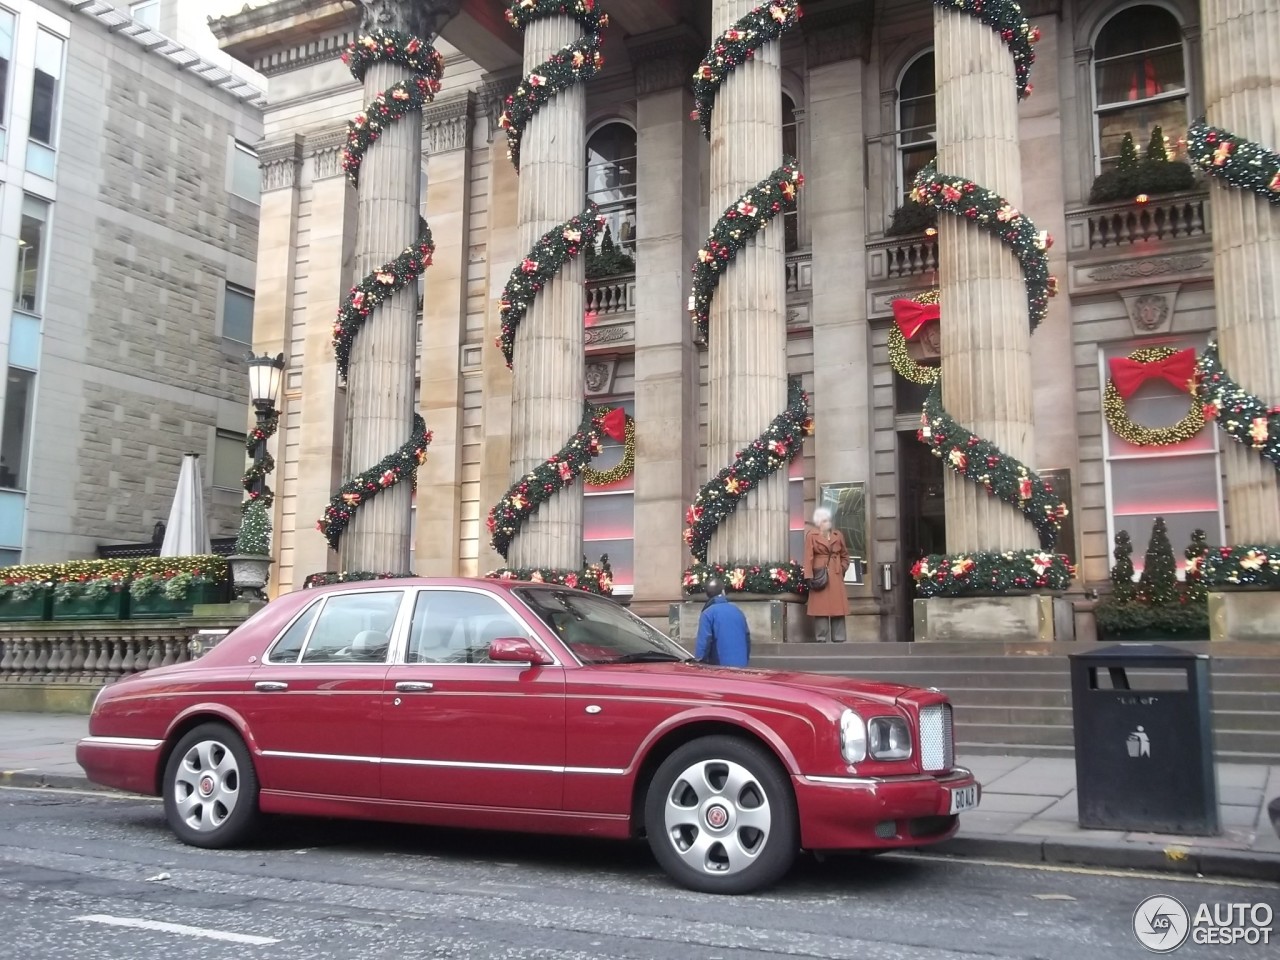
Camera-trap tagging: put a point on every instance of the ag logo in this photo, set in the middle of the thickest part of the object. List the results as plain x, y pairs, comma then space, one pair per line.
1161, 924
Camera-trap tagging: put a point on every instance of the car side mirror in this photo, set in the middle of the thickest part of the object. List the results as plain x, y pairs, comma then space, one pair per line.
518, 650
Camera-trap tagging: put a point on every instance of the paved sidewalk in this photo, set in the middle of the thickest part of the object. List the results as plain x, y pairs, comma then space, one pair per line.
1028, 809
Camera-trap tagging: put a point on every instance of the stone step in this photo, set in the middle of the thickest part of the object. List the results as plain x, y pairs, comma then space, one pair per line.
1261, 746
831, 663
1051, 680
999, 712
1261, 701
1262, 651
1067, 753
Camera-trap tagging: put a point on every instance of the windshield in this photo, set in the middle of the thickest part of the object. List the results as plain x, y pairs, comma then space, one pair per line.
598, 630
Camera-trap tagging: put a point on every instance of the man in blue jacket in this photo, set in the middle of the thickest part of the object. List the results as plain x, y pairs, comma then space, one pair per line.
723, 636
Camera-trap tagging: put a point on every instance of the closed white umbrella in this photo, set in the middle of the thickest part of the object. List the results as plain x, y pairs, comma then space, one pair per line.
186, 534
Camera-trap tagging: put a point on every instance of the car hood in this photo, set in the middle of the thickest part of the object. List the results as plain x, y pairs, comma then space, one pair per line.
779, 682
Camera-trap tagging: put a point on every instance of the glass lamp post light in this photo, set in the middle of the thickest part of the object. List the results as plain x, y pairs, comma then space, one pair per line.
251, 562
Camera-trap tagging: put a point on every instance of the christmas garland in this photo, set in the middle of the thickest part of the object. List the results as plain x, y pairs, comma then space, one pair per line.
779, 578
1239, 566
579, 61
592, 578
1241, 163
553, 250
388, 107
535, 488
331, 578
983, 463
743, 219
1117, 414
772, 451
995, 215
359, 490
401, 99
737, 45
900, 359
604, 478
1006, 18
259, 469
1244, 417
966, 573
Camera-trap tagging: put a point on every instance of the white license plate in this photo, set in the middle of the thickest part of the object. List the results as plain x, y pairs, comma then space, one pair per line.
964, 798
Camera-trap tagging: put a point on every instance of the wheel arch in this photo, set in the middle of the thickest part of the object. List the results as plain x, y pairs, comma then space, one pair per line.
667, 741
193, 717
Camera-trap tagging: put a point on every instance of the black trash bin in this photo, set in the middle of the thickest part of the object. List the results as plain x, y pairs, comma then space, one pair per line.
1144, 740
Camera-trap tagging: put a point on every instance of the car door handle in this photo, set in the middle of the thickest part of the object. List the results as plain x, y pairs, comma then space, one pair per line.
414, 686
270, 686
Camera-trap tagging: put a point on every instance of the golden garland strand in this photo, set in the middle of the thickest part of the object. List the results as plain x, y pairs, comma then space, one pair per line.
1117, 414
603, 478
904, 365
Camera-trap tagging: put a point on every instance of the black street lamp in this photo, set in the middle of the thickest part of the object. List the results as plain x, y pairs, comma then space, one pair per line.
265, 375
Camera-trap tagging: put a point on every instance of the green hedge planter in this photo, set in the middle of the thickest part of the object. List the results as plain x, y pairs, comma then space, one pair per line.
114, 607
159, 607
36, 608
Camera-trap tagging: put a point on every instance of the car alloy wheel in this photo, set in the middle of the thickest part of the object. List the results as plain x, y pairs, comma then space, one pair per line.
210, 788
720, 816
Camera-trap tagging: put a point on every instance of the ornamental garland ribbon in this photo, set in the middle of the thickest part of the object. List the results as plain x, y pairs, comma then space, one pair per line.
964, 198
735, 46
1177, 367
740, 222
259, 469
1245, 565
577, 62
622, 428
1244, 417
388, 107
553, 250
1005, 18
1234, 160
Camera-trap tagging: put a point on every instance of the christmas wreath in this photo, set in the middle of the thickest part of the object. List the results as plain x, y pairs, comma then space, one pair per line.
1241, 163
604, 478
909, 318
1244, 417
1177, 367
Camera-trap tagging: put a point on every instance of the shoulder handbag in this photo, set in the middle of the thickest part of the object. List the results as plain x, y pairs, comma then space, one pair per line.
819, 580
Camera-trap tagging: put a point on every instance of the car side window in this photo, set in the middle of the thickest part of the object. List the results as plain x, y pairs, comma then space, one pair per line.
354, 628
457, 626
289, 645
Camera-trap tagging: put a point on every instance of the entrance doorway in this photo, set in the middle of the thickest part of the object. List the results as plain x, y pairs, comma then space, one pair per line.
922, 528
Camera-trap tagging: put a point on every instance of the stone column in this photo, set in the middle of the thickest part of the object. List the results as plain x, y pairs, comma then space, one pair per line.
748, 331
330, 257
1242, 94
444, 315
380, 388
668, 234
549, 350
986, 343
273, 315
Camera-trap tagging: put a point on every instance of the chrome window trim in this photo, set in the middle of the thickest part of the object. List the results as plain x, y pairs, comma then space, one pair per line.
324, 603
401, 647
316, 604
466, 764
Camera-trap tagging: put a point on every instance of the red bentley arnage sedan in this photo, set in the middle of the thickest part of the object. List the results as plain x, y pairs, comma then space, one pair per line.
508, 706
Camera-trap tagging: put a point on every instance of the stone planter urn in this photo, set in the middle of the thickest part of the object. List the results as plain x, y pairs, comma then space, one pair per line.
249, 575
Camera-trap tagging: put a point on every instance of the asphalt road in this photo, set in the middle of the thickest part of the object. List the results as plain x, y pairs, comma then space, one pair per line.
92, 877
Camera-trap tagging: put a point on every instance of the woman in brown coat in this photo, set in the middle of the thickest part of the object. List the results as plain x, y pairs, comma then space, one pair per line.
824, 549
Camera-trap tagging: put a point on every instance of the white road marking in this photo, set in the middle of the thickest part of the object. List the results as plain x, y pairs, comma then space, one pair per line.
99, 794
138, 923
1088, 871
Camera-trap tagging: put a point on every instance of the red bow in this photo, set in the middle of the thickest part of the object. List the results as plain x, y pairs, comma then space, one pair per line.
1178, 368
911, 316
615, 424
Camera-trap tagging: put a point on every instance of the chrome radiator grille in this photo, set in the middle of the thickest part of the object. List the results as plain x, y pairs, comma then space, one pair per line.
937, 744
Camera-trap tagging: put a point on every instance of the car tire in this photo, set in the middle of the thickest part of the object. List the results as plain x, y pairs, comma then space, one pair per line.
211, 788
720, 816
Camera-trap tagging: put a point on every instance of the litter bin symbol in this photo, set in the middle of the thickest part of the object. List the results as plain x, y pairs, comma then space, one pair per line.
1139, 744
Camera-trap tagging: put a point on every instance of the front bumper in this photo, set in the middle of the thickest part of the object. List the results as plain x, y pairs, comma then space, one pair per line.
876, 813
125, 763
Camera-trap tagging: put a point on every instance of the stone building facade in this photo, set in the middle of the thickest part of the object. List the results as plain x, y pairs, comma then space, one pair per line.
860, 111
130, 205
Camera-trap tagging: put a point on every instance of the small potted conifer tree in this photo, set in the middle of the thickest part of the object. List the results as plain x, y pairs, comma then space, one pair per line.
251, 563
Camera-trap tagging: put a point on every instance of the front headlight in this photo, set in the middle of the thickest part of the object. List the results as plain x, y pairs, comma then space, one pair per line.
890, 738
853, 737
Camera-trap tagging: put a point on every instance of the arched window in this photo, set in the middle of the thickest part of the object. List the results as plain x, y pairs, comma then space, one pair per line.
791, 148
917, 120
611, 183
1140, 80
